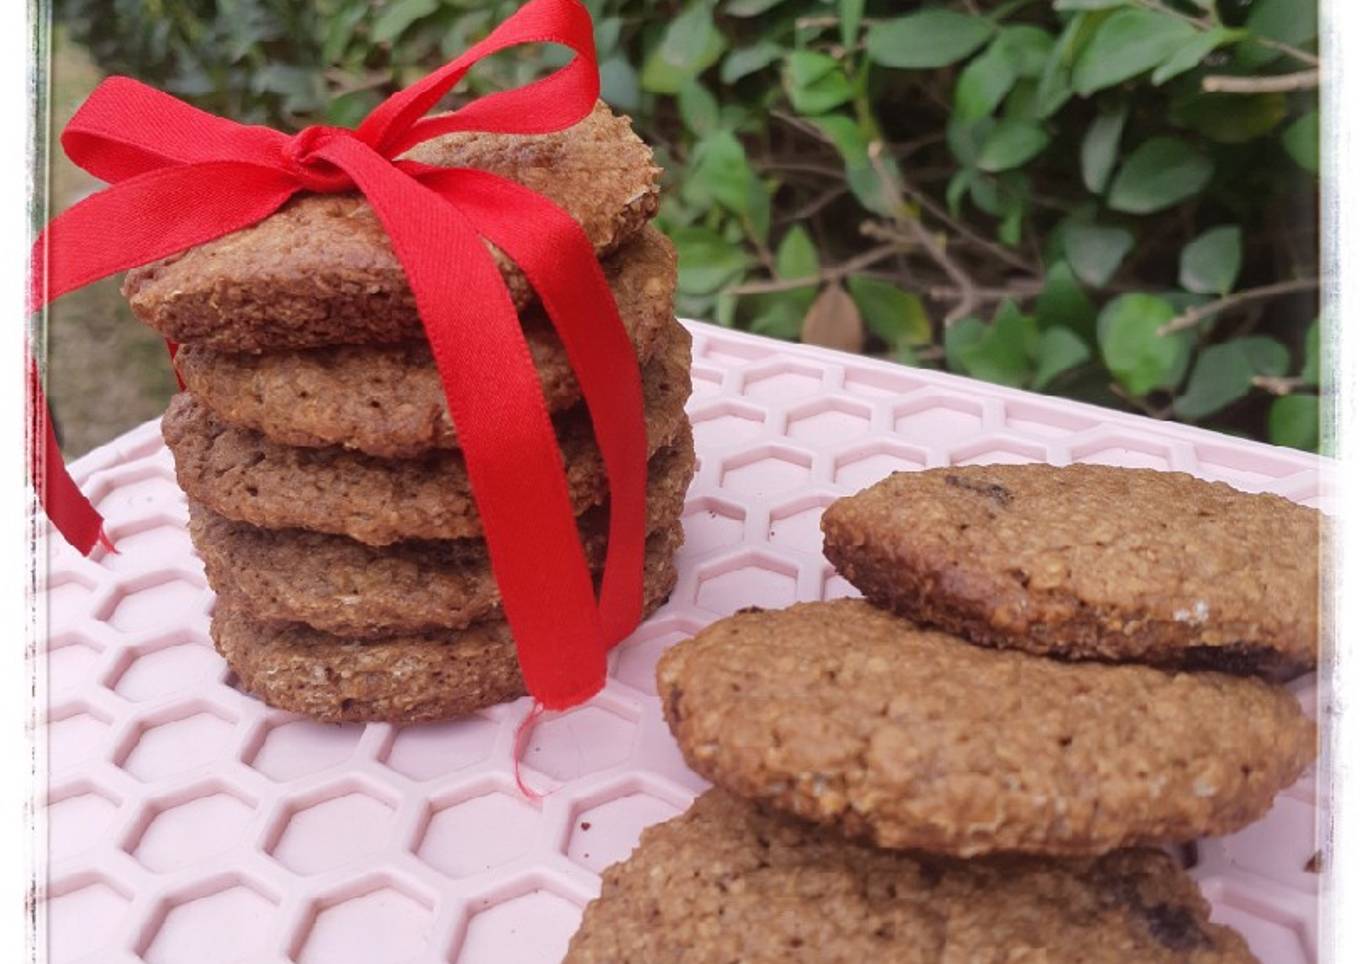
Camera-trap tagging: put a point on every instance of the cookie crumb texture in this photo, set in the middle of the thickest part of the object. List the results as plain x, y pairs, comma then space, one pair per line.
387, 400
341, 586
849, 716
1090, 562
726, 882
414, 678
321, 271
242, 475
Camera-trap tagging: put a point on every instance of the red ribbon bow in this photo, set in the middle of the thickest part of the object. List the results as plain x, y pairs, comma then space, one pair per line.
180, 177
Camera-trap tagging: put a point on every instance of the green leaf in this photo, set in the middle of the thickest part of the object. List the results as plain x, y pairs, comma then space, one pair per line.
1100, 148
1312, 354
619, 84
707, 261
927, 39
959, 186
896, 316
725, 310
1223, 374
1193, 51
1293, 22
865, 182
852, 13
1138, 357
959, 336
720, 171
1003, 352
1060, 350
797, 255
1088, 4
299, 87
349, 109
1127, 44
691, 44
1028, 49
607, 30
1096, 251
983, 84
780, 314
986, 194
698, 108
1055, 83
815, 82
1162, 172
1022, 103
745, 61
1063, 303
340, 31
1266, 355
1231, 118
1296, 421
1011, 143
1301, 140
465, 28
1211, 262
749, 8
397, 16
965, 138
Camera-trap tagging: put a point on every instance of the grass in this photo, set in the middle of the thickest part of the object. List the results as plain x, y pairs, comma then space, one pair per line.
106, 372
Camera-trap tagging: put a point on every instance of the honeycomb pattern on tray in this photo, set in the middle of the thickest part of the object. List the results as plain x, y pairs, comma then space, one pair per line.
190, 823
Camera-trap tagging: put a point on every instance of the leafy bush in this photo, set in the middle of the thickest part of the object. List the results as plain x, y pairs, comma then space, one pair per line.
1113, 200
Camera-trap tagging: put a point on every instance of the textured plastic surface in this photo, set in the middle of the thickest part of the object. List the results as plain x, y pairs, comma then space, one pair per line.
191, 823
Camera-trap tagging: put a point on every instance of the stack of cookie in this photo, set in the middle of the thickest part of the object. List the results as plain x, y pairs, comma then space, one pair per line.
1056, 672
328, 497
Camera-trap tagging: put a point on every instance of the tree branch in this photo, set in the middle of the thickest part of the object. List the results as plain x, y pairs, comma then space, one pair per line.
834, 273
968, 299
1276, 385
1147, 408
1194, 316
1277, 84
1207, 23
1017, 289
997, 251
814, 206
1302, 56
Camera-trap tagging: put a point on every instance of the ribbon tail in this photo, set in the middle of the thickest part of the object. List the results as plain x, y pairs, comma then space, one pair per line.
66, 506
559, 261
131, 223
149, 217
508, 442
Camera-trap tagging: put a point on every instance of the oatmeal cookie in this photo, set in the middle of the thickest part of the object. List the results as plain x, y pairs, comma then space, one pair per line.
727, 882
387, 400
849, 716
321, 271
1090, 562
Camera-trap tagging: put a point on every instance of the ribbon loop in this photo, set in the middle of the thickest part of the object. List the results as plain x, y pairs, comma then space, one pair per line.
180, 177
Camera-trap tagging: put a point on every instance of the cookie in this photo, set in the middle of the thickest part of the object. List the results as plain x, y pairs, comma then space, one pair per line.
849, 716
387, 400
244, 476
349, 589
1090, 562
412, 678
727, 882
321, 271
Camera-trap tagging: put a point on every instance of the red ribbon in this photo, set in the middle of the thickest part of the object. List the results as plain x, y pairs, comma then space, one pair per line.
180, 177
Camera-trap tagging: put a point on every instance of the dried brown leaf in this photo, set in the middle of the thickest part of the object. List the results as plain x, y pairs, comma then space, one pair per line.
834, 321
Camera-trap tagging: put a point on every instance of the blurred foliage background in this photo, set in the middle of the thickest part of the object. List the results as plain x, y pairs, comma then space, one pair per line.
1111, 200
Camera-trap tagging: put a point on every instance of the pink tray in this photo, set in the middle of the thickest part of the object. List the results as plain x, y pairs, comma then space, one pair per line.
191, 823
